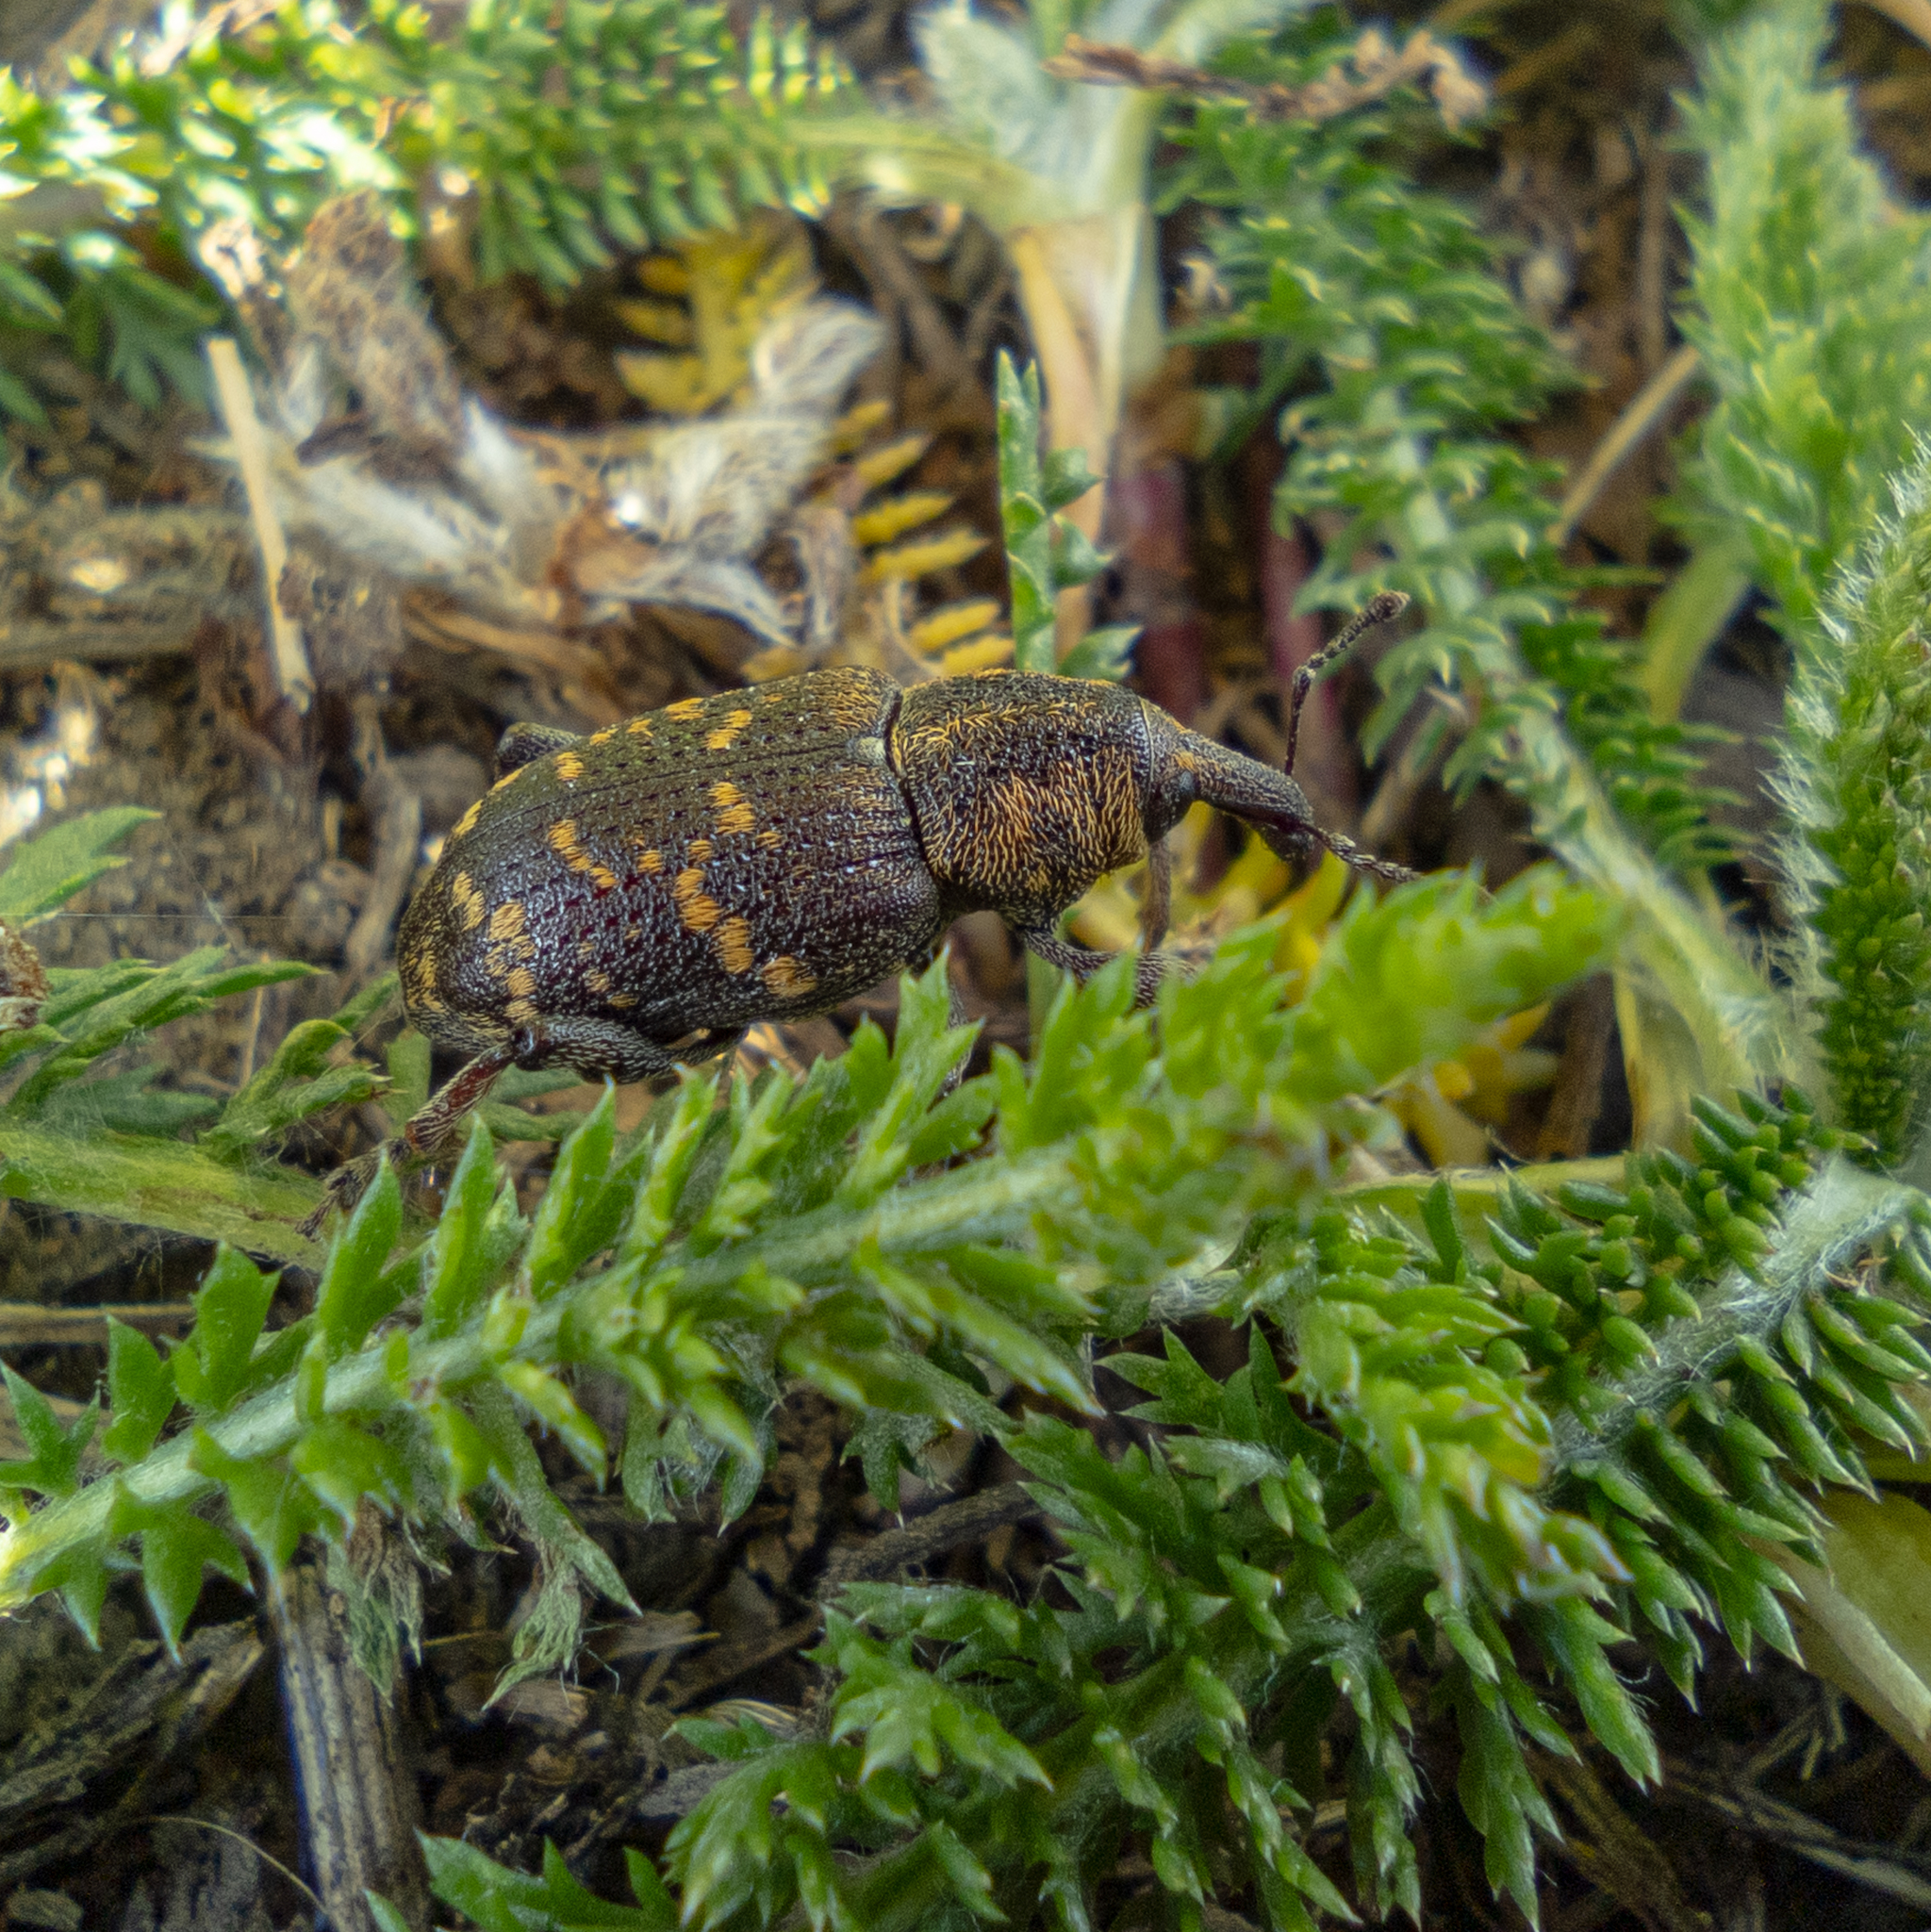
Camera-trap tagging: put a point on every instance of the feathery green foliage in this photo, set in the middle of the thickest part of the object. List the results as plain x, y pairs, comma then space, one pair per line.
563, 137
770, 1238
1812, 307
1046, 552
1856, 781
1584, 1425
1810, 303
1396, 352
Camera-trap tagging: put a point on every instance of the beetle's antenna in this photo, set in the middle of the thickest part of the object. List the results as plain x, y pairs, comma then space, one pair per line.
1377, 610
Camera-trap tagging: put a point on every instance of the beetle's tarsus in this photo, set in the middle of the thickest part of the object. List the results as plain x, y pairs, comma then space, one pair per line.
430, 1132
1149, 969
1157, 908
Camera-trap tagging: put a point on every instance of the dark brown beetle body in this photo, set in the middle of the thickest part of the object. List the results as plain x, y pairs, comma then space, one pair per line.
622, 903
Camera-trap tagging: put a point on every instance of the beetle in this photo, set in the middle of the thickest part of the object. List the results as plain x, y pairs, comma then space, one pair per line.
632, 900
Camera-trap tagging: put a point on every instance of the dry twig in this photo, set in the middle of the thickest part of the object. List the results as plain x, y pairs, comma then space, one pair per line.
1380, 68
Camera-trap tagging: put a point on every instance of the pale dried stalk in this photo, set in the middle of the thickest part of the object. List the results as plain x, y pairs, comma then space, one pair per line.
287, 651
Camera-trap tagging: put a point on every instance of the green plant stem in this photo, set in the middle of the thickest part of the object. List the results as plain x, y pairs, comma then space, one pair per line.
1688, 618
1841, 1216
160, 1183
984, 1202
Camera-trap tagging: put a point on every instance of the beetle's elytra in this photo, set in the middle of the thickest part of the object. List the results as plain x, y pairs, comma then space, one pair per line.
622, 903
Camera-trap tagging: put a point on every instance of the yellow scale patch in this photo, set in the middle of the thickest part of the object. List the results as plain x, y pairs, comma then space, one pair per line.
466, 823
734, 809
733, 941
421, 975
522, 983
507, 921
771, 838
521, 1011
788, 977
563, 841
597, 981
685, 709
603, 737
698, 910
569, 767
649, 860
726, 735
700, 850
639, 728
466, 900
623, 999
510, 778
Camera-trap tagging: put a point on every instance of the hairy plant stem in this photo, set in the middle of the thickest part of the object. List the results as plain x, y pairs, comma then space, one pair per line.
1841, 1216
987, 1201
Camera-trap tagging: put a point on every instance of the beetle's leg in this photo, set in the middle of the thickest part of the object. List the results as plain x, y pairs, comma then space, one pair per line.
1156, 908
426, 1133
1149, 969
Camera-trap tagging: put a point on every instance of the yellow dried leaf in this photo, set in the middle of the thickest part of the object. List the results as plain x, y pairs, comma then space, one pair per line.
1865, 1624
664, 274
672, 385
948, 625
932, 554
897, 514
856, 424
658, 322
982, 653
780, 661
734, 281
879, 466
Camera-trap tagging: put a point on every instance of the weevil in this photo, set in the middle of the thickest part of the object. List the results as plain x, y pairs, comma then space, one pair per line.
630, 901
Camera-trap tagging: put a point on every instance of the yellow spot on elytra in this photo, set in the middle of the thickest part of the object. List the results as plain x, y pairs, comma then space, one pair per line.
467, 821
496, 962
510, 778
638, 728
734, 809
733, 941
603, 737
632, 935
421, 973
569, 767
698, 910
726, 735
684, 708
771, 838
522, 983
524, 948
507, 921
786, 977
650, 861
601, 876
466, 900
586, 949
562, 836
521, 1011
622, 999
700, 849
597, 981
